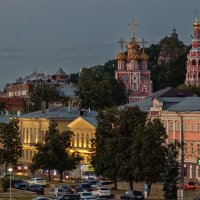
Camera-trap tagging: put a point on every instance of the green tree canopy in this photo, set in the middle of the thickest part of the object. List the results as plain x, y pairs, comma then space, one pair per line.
54, 153
11, 148
98, 88
43, 92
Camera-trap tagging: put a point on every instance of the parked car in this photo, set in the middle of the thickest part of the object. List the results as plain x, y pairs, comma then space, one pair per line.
101, 192
132, 195
16, 181
83, 187
21, 185
68, 189
36, 188
41, 198
94, 183
86, 195
57, 192
190, 186
108, 184
69, 197
38, 181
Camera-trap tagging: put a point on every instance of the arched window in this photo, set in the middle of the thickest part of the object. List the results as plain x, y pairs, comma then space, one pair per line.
82, 140
193, 62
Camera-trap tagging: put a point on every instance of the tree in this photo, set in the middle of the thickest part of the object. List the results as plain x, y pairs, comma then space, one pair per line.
43, 92
130, 130
98, 88
152, 152
170, 174
54, 153
104, 158
11, 148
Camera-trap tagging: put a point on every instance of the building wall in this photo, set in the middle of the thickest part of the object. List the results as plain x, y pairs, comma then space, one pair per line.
33, 131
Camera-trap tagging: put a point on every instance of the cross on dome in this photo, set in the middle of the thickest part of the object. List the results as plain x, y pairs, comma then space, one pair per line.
132, 24
121, 42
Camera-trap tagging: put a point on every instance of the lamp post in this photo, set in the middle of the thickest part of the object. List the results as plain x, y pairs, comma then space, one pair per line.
10, 170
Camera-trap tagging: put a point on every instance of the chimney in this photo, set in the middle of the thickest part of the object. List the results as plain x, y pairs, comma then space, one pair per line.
43, 106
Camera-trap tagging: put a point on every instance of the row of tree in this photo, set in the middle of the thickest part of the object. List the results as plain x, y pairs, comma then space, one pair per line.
130, 147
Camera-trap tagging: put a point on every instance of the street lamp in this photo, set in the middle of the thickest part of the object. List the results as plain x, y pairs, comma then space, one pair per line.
10, 170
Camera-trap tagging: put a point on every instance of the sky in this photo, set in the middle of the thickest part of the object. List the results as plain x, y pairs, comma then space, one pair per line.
44, 35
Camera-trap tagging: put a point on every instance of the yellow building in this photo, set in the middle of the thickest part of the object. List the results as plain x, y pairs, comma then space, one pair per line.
33, 127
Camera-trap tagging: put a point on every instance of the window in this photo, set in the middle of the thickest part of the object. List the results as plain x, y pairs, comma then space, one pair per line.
185, 148
177, 126
198, 127
171, 126
191, 148
31, 136
77, 139
134, 86
24, 135
26, 154
185, 127
87, 140
193, 62
192, 127
30, 154
27, 138
72, 140
198, 149
82, 140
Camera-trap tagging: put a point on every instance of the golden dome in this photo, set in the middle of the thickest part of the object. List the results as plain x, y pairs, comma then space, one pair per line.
133, 56
144, 56
196, 24
121, 56
133, 44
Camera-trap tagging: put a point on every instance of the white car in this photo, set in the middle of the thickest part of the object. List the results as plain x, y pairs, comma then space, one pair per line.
38, 181
86, 195
57, 192
101, 192
41, 198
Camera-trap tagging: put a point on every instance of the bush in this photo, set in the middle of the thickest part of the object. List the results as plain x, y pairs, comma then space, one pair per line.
5, 184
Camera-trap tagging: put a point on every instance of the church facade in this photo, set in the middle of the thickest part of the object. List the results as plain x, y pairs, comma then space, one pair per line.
132, 70
193, 58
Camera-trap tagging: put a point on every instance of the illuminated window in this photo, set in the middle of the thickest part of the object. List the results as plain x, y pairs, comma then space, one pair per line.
27, 136
82, 140
77, 139
87, 140
31, 136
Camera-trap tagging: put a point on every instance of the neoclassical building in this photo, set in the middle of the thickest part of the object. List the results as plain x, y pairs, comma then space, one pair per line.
33, 127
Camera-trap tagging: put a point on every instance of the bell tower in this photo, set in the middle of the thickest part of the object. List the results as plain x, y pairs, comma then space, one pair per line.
193, 58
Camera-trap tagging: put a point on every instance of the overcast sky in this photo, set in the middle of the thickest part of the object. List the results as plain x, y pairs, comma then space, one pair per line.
46, 34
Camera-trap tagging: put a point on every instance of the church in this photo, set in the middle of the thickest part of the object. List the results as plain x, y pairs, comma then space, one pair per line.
133, 69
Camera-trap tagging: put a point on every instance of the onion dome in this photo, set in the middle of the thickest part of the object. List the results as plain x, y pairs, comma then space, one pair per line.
133, 44
196, 24
144, 56
133, 56
121, 56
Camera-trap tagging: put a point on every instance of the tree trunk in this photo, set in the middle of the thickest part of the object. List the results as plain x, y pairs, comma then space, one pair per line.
49, 175
61, 176
131, 184
149, 183
115, 184
6, 167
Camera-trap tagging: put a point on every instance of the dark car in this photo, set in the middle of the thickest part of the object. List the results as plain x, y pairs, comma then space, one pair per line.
132, 195
16, 181
67, 188
36, 188
69, 197
83, 187
21, 186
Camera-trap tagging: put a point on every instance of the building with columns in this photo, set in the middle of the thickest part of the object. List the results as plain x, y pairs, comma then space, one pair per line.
176, 109
133, 70
193, 58
33, 127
